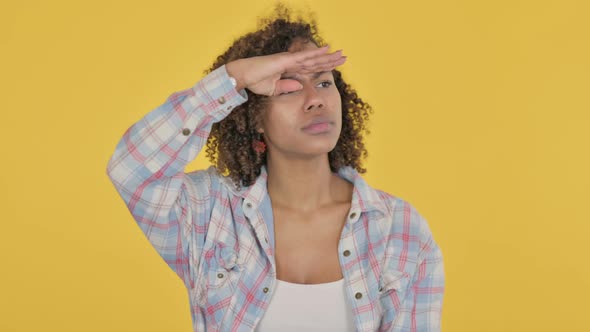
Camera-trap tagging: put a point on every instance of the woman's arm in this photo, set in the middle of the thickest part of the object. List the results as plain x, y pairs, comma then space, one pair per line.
147, 168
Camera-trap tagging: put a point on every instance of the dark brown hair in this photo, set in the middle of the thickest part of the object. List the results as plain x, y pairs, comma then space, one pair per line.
229, 146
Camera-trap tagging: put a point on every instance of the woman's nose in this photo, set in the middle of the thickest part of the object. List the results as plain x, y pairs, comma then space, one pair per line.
312, 98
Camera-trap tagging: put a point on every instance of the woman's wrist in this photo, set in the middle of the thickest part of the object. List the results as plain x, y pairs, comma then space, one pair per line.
233, 69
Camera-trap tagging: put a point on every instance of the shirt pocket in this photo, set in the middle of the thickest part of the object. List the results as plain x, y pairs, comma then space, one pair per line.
222, 274
392, 289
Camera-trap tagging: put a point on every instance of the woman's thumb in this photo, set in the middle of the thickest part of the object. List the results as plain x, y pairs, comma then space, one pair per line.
286, 85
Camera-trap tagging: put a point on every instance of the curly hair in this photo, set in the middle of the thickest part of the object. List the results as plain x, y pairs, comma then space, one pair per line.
229, 145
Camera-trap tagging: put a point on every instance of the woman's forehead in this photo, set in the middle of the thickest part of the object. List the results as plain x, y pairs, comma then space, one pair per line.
299, 45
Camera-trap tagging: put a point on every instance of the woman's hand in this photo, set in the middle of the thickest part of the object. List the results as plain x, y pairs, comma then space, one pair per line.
262, 74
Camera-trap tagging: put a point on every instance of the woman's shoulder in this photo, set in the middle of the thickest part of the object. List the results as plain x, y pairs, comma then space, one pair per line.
212, 179
396, 209
394, 202
206, 180
403, 215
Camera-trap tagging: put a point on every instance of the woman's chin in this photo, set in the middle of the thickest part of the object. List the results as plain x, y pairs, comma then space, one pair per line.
319, 149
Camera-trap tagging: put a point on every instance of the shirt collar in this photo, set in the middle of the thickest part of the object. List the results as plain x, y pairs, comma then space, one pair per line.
365, 199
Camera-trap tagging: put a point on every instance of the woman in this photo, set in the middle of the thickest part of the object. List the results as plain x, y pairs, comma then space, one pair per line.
283, 234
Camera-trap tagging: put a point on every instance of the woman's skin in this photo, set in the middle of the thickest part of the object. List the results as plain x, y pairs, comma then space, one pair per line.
309, 202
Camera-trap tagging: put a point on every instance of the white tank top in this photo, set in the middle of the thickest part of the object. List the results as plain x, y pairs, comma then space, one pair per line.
307, 307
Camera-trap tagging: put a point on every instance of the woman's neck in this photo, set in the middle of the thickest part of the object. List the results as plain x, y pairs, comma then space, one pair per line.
302, 185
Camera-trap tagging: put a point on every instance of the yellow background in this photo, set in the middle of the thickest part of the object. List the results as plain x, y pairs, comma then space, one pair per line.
481, 121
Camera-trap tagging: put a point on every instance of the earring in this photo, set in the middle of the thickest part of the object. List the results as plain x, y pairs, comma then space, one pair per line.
258, 145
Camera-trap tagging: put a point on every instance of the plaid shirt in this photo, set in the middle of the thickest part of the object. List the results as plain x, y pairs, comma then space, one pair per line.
219, 239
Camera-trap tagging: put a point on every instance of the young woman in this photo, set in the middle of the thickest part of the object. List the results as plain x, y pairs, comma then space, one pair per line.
283, 234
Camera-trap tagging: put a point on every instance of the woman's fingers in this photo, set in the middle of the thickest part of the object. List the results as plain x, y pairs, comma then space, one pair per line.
307, 62
315, 63
311, 53
321, 60
289, 85
262, 74
304, 55
295, 60
322, 66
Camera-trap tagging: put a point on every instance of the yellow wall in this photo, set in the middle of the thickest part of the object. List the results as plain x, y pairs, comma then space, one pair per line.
481, 121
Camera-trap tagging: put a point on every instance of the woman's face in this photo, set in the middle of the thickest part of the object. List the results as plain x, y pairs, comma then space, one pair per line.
287, 119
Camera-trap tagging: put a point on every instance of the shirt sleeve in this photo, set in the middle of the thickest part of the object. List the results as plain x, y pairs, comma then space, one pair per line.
424, 302
147, 169
420, 308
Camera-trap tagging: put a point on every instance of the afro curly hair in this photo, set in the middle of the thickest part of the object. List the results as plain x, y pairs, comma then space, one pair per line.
229, 145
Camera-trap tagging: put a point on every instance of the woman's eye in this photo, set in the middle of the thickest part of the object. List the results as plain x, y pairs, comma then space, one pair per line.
326, 84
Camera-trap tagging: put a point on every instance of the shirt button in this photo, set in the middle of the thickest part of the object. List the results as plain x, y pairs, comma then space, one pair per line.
229, 108
221, 100
186, 131
352, 215
346, 253
248, 205
265, 289
266, 239
380, 288
358, 295
219, 275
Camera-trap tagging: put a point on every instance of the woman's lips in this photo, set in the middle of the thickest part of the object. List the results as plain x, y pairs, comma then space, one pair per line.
318, 128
